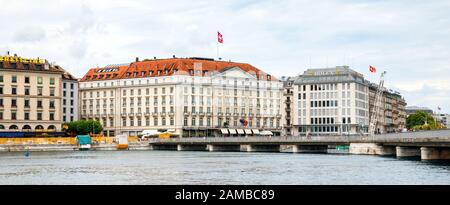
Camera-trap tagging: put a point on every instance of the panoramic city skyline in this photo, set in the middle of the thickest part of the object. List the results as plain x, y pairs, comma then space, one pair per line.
408, 39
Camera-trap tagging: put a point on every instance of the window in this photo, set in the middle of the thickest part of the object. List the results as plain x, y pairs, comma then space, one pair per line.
27, 103
27, 90
71, 94
14, 79
64, 86
39, 80
39, 116
71, 86
1, 90
1, 102
39, 89
52, 81
52, 116
13, 116
1, 78
52, 91
13, 102
52, 104
39, 103
14, 90
27, 116
27, 79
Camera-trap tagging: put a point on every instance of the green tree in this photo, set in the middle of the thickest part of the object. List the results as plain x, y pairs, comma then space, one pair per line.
84, 127
421, 121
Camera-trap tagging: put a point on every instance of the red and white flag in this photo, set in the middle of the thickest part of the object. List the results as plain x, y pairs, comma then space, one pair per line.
219, 37
372, 69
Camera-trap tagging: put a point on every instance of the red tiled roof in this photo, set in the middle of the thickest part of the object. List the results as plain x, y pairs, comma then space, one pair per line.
167, 67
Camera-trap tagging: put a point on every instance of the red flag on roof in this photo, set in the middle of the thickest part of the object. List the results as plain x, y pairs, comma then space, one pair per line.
219, 37
372, 69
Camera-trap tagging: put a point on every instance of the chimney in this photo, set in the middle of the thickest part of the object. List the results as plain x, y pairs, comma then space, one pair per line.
137, 59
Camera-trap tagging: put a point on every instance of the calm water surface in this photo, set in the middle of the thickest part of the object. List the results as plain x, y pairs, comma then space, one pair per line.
171, 167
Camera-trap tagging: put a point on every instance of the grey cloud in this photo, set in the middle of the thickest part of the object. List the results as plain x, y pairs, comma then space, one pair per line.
30, 34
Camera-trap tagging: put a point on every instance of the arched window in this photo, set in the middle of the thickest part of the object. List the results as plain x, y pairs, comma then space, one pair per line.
26, 127
51, 128
39, 128
13, 127
2, 127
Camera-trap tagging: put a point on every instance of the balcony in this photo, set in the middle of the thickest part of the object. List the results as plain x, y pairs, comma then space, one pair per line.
288, 93
219, 114
228, 114
235, 114
171, 113
202, 114
139, 114
162, 113
186, 113
147, 114
155, 114
131, 114
208, 114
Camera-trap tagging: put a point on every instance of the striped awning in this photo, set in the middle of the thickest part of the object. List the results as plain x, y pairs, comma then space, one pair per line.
240, 131
248, 131
255, 131
224, 131
232, 131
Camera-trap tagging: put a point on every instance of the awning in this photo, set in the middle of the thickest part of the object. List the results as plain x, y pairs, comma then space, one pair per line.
150, 132
224, 131
232, 131
255, 131
171, 130
266, 133
248, 132
240, 131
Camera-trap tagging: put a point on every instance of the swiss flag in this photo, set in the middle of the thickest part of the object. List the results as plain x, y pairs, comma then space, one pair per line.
372, 69
219, 37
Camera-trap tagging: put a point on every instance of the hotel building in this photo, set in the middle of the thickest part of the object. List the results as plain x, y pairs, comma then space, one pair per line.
30, 95
185, 96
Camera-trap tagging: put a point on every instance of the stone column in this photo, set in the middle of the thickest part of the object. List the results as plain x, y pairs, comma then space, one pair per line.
407, 151
434, 153
371, 149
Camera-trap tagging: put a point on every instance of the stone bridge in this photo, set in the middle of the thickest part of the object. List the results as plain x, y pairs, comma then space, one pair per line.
428, 145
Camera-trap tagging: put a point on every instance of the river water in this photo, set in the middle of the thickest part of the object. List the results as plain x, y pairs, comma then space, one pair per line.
241, 168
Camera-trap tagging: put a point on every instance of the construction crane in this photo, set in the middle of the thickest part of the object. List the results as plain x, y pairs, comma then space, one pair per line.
377, 106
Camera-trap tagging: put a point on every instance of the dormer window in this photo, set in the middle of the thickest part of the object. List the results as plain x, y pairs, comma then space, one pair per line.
166, 71
159, 72
175, 70
191, 72
268, 77
143, 73
128, 74
135, 74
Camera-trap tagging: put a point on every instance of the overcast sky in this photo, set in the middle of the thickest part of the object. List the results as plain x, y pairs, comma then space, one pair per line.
410, 39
